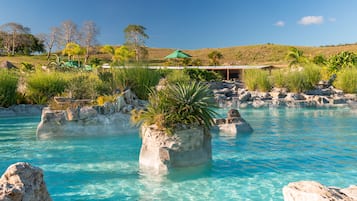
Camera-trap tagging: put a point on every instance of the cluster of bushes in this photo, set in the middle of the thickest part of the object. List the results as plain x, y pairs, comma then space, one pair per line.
295, 80
42, 86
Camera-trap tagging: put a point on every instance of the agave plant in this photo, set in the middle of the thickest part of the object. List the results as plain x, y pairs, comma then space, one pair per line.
177, 105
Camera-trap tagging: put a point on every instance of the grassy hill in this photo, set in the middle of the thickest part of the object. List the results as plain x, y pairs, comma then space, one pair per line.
266, 54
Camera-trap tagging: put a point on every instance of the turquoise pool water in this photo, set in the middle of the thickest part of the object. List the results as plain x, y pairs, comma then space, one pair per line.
287, 145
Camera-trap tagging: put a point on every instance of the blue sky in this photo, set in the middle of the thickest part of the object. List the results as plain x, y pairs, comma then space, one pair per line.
194, 24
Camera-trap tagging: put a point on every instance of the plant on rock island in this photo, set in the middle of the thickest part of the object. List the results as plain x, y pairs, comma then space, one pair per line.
178, 105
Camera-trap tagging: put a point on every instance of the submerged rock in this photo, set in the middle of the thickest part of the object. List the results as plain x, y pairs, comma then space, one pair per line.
314, 191
233, 124
23, 182
185, 147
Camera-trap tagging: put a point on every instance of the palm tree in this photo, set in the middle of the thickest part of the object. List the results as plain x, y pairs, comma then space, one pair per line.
214, 57
296, 57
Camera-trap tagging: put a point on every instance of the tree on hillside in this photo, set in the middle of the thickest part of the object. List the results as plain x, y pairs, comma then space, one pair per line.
89, 34
68, 32
295, 57
10, 34
29, 44
108, 49
122, 54
214, 57
73, 49
135, 39
50, 39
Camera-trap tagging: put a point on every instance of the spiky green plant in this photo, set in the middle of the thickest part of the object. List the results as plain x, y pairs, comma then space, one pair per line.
176, 105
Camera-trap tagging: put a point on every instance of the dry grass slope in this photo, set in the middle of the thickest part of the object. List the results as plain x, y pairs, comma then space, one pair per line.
265, 54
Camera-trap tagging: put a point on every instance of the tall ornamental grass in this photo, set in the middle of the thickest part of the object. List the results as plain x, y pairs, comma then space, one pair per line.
303, 79
312, 75
43, 86
347, 80
257, 80
278, 78
139, 79
295, 81
8, 87
176, 76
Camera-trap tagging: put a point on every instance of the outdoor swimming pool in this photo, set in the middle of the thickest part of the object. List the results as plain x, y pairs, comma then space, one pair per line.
287, 145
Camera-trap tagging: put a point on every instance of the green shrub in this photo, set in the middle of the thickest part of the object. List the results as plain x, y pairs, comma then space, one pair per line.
257, 80
106, 76
305, 79
139, 79
176, 105
347, 80
176, 76
312, 75
43, 86
27, 67
83, 86
263, 81
8, 87
202, 75
295, 81
278, 78
341, 61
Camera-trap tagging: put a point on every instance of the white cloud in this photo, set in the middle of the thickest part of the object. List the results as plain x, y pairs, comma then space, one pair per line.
279, 23
309, 20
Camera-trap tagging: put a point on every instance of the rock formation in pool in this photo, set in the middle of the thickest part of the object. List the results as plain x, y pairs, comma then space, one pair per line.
23, 182
111, 118
314, 191
175, 127
186, 147
233, 124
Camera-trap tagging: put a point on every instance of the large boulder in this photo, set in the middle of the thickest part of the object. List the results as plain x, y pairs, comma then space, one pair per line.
23, 182
233, 124
185, 147
314, 191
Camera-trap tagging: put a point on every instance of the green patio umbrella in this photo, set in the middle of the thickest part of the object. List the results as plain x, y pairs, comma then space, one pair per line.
177, 54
